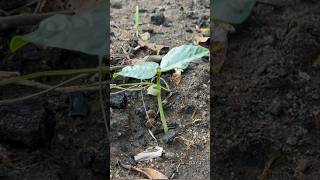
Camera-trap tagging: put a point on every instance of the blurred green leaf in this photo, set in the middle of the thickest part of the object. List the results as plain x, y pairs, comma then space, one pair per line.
180, 57
232, 11
84, 32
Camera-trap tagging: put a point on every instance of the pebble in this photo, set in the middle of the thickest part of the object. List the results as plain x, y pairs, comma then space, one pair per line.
118, 101
304, 76
292, 140
158, 19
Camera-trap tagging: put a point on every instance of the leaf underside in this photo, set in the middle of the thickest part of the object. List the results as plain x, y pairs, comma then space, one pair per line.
143, 71
180, 57
84, 32
232, 11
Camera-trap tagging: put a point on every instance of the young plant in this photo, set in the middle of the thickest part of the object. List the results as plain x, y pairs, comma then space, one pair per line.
176, 58
137, 21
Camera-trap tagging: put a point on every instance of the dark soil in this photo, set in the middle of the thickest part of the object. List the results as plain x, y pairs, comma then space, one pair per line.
266, 98
58, 136
170, 23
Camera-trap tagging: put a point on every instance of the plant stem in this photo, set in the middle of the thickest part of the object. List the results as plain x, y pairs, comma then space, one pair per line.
53, 73
162, 116
101, 97
8, 101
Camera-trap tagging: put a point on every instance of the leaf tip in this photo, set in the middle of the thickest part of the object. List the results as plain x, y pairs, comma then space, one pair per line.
16, 43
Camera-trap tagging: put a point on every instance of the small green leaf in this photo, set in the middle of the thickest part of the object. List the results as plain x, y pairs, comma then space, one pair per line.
17, 43
232, 11
140, 71
115, 75
180, 57
153, 90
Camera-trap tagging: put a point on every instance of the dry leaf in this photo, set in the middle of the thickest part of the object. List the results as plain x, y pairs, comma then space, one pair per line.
135, 61
148, 172
153, 174
152, 46
176, 77
153, 58
202, 41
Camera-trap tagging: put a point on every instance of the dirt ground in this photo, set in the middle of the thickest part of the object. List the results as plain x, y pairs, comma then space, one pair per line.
58, 136
129, 132
266, 98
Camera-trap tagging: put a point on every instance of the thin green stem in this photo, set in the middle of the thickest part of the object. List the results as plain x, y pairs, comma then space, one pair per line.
52, 73
162, 116
101, 96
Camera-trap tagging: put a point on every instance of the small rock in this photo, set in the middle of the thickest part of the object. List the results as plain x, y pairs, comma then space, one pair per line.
269, 40
304, 76
145, 36
87, 157
30, 123
120, 122
78, 105
158, 19
116, 5
99, 165
148, 30
189, 109
169, 136
60, 137
169, 155
315, 96
118, 100
188, 30
276, 108
292, 140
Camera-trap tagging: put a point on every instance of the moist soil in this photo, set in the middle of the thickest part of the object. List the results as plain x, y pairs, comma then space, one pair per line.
265, 101
57, 136
169, 23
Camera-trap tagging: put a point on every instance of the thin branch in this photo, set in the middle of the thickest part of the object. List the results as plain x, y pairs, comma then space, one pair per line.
59, 89
101, 97
52, 73
26, 19
9, 101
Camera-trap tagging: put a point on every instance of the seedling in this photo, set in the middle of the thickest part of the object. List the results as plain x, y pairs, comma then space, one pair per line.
176, 58
137, 21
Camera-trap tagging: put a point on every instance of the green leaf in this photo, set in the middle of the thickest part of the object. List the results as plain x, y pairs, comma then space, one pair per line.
153, 90
180, 57
17, 43
115, 75
232, 11
84, 32
146, 70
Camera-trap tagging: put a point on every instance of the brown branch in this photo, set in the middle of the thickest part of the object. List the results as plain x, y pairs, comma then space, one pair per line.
26, 19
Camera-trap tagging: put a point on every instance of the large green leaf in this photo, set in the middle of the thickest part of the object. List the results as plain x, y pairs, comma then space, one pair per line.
232, 11
180, 57
146, 70
85, 32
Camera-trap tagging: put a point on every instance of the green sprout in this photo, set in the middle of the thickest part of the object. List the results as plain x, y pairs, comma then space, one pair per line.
137, 21
176, 58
